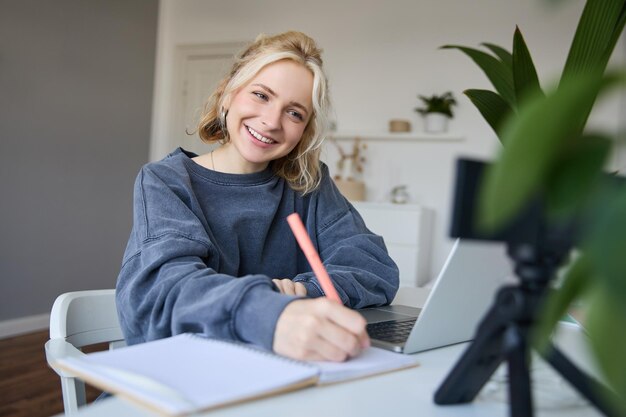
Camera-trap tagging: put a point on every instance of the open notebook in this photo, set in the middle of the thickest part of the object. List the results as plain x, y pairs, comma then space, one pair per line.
189, 373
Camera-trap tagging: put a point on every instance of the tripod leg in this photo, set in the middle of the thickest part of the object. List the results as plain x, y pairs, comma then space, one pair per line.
477, 363
520, 395
595, 392
470, 373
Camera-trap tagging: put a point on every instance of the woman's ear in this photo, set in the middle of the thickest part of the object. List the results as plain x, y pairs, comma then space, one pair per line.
226, 101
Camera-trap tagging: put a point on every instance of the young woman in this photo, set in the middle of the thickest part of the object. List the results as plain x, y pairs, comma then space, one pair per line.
211, 252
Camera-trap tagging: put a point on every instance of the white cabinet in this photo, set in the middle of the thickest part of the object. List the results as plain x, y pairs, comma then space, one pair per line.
406, 229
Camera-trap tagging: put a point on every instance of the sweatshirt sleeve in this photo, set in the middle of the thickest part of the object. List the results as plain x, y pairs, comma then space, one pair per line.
165, 286
356, 259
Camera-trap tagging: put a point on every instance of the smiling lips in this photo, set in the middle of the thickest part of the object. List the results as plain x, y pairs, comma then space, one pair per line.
259, 136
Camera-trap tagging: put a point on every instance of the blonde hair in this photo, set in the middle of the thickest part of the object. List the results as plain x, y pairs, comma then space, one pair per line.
300, 168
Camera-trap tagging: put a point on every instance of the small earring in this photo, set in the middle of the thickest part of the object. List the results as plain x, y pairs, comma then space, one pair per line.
223, 115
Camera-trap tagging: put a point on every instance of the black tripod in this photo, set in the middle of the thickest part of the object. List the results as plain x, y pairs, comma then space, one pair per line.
503, 335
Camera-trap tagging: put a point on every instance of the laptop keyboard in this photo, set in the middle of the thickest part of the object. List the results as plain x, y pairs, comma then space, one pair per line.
396, 331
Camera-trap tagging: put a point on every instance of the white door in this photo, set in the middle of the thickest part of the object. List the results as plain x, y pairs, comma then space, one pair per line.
200, 69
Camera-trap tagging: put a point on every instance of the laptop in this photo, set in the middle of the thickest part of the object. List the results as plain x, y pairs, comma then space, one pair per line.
460, 297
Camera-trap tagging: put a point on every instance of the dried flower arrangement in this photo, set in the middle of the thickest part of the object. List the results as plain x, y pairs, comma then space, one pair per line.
350, 165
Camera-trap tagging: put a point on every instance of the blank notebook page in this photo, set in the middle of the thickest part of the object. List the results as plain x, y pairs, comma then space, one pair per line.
189, 372
370, 362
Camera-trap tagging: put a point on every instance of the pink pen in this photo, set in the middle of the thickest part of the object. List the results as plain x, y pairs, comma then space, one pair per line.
312, 256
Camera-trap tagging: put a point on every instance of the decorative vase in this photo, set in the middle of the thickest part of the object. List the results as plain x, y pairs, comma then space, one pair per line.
435, 123
353, 190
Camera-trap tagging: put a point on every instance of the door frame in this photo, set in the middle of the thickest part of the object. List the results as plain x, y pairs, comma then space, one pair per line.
174, 117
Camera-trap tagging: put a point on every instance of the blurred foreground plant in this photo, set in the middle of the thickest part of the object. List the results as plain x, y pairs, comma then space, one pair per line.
548, 152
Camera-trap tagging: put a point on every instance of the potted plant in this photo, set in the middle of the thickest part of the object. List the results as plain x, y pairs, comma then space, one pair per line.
548, 152
436, 110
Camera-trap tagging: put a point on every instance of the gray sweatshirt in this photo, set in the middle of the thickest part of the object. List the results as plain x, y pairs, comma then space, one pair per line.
206, 245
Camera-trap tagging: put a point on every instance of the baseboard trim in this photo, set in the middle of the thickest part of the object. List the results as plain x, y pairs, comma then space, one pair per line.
15, 327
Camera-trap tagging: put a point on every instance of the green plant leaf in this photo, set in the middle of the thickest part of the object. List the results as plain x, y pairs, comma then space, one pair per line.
505, 56
534, 140
606, 322
497, 72
617, 32
599, 28
524, 73
600, 24
576, 281
607, 241
492, 107
575, 173
437, 104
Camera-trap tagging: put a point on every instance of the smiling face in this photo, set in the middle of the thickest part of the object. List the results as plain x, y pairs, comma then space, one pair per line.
267, 116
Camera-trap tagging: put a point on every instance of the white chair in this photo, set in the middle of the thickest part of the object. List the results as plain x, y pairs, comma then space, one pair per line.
80, 319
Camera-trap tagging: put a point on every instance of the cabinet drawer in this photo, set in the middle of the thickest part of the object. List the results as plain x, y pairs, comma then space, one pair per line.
406, 230
395, 225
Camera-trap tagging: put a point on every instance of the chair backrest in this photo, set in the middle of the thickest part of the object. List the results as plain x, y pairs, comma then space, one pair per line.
85, 317
78, 319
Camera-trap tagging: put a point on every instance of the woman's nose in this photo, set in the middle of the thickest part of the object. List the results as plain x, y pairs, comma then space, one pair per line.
271, 117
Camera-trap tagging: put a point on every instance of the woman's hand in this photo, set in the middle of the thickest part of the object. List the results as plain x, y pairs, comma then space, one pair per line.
287, 286
320, 329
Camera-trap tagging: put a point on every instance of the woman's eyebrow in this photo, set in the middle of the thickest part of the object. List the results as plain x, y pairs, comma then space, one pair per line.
269, 90
273, 93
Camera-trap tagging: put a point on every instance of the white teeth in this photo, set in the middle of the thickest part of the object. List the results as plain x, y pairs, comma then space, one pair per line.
259, 136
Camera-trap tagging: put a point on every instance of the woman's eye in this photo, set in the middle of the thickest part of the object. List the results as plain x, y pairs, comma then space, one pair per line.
295, 114
260, 95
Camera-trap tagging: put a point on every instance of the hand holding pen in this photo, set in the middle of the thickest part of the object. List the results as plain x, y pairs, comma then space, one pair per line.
321, 328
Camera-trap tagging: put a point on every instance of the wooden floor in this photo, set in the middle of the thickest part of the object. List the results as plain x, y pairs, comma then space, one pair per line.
28, 387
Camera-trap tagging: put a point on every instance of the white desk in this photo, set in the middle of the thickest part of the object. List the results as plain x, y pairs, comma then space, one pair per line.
405, 393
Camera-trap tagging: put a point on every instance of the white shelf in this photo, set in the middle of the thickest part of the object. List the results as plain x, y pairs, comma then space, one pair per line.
400, 137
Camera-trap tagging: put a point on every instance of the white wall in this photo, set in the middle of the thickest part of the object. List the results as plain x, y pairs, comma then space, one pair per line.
379, 56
